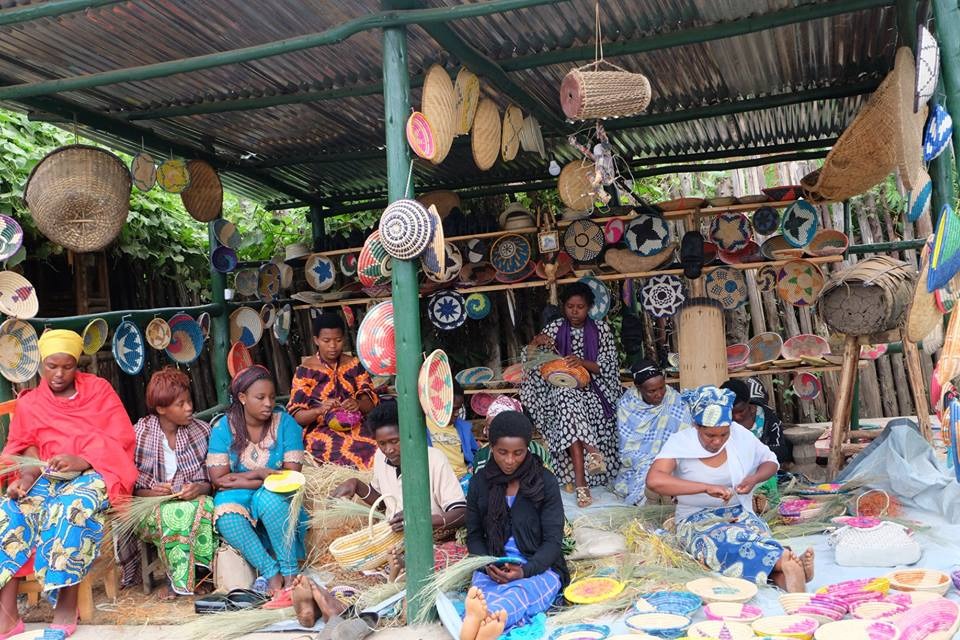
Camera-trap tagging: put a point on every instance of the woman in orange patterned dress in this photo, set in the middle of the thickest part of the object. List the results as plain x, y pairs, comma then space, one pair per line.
329, 397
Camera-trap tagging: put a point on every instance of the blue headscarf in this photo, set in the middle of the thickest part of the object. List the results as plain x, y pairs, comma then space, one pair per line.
711, 406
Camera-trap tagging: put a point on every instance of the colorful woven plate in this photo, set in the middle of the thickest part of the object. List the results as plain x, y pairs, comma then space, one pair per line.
799, 283
268, 282
732, 612
662, 625
601, 295
730, 231
19, 351
592, 590
728, 630
128, 348
828, 242
679, 204
520, 276
767, 278
800, 223
348, 264
613, 231
11, 237
647, 235
790, 626
927, 67
452, 264
857, 630
376, 346
227, 233
95, 336
281, 326
173, 175
475, 376
766, 220
268, 315
204, 321
661, 296
476, 251
18, 298
420, 136
447, 310
510, 254
581, 631
143, 171
478, 306
223, 259
286, 481
320, 272
513, 374
157, 334
245, 282
186, 339
583, 240
765, 346
805, 344
728, 286
723, 589
807, 386
372, 260
245, 326
480, 402
435, 388
682, 603
406, 228
738, 355
772, 244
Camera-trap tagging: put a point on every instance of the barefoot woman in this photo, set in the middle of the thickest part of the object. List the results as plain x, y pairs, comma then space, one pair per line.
712, 470
513, 509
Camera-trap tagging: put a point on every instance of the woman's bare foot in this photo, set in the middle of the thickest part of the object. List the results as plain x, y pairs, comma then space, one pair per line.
807, 561
166, 594
492, 626
792, 570
328, 603
395, 563
288, 581
303, 603
476, 612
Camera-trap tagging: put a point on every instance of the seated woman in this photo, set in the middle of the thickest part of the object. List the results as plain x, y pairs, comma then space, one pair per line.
498, 406
455, 440
751, 411
578, 424
712, 470
171, 455
513, 509
647, 415
77, 424
253, 440
331, 382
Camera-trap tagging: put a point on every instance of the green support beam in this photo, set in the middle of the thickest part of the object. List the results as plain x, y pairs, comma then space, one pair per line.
334, 35
50, 9
886, 247
113, 318
219, 327
418, 529
947, 14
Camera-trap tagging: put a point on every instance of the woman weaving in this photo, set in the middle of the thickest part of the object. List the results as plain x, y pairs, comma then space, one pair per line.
712, 470
330, 395
77, 424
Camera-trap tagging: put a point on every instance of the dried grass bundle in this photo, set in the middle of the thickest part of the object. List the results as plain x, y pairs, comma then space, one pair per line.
339, 510
322, 479
293, 514
233, 624
536, 358
372, 596
12, 464
614, 607
657, 550
452, 578
128, 514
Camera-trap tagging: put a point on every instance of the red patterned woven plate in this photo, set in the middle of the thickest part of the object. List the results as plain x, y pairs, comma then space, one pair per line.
376, 346
435, 387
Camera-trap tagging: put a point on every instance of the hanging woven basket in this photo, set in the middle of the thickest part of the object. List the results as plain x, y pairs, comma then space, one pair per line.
868, 298
588, 92
79, 197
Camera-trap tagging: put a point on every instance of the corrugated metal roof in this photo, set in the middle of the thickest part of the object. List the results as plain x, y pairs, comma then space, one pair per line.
829, 52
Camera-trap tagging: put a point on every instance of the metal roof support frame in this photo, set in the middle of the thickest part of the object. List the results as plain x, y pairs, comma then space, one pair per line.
947, 15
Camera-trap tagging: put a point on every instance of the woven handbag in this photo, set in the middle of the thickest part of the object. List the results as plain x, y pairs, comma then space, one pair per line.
886, 545
367, 549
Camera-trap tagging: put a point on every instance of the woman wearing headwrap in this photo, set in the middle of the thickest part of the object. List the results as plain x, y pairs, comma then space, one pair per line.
712, 470
751, 411
514, 510
329, 396
579, 424
76, 423
498, 406
647, 415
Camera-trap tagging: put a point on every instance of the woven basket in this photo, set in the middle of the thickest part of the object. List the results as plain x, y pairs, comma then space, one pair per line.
877, 609
681, 603
919, 580
203, 199
857, 630
79, 197
870, 297
368, 549
467, 87
721, 629
722, 589
576, 185
732, 612
485, 135
923, 314
510, 138
587, 92
439, 105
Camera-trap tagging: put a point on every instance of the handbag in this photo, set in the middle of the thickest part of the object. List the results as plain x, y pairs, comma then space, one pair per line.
887, 544
230, 570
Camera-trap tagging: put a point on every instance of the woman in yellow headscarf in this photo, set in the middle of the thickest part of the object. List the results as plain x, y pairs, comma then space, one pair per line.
55, 514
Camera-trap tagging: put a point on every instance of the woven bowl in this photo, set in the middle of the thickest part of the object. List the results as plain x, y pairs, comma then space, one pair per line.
720, 629
79, 197
376, 345
245, 282
474, 376
128, 349
204, 321
268, 314
11, 237
661, 625
238, 359
828, 242
581, 631
227, 234
157, 334
575, 185
680, 602
722, 589
268, 282
732, 612
405, 229
435, 388
245, 326
420, 136
95, 336
19, 351
186, 339
203, 198
790, 626
857, 630
18, 298
223, 259
876, 609
919, 580
937, 620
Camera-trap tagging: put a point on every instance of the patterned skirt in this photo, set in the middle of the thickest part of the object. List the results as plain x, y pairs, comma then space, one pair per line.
346, 448
183, 534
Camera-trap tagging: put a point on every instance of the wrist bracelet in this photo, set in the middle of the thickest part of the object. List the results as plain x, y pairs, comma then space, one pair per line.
369, 491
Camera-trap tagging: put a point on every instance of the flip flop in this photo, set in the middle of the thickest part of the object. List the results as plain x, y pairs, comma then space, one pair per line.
212, 603
280, 600
245, 599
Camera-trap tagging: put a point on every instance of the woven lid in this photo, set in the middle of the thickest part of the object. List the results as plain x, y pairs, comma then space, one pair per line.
510, 254
79, 197
937, 133
420, 136
238, 358
583, 240
186, 339
143, 171
728, 286
647, 235
157, 333
766, 220
227, 233
799, 224
11, 237
447, 310
281, 326
18, 298
405, 228
320, 272
435, 388
376, 346
439, 105
601, 298
510, 137
95, 335
245, 282
173, 175
19, 351
923, 314
128, 348
467, 88
575, 185
485, 135
730, 231
800, 282
927, 69
203, 198
661, 296
223, 259
245, 326
478, 306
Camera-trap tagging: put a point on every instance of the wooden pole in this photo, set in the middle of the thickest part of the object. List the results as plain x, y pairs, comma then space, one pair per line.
917, 387
841, 412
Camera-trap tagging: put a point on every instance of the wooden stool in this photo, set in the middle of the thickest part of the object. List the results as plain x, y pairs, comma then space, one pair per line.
104, 568
150, 565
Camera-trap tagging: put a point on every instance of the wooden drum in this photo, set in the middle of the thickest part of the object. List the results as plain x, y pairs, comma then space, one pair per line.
702, 344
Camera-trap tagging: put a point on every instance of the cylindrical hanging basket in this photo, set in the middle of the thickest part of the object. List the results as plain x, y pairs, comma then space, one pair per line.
701, 343
868, 298
587, 92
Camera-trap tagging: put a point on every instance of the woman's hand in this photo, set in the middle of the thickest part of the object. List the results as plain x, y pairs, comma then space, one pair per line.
20, 487
504, 573
396, 522
326, 407
68, 462
716, 491
229, 481
194, 490
573, 361
162, 489
346, 489
350, 404
746, 485
542, 340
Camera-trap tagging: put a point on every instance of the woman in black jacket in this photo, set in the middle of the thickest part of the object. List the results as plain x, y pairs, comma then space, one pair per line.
514, 511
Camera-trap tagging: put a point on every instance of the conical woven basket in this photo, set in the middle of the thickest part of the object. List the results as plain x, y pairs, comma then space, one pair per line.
587, 92
439, 104
485, 135
203, 199
79, 197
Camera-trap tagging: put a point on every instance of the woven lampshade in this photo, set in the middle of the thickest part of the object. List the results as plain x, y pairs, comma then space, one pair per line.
203, 199
439, 104
485, 135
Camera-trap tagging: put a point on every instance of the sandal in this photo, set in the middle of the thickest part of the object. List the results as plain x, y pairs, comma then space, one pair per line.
584, 499
594, 464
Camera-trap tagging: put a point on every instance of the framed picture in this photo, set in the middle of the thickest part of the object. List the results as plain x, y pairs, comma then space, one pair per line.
549, 241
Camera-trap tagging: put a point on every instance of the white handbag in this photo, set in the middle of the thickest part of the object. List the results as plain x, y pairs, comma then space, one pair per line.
887, 544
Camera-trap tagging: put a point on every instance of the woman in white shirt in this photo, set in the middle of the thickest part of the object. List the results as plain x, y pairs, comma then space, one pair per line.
712, 470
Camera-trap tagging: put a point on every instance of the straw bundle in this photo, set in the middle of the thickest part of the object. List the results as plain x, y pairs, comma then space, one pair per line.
452, 578
13, 464
128, 514
234, 624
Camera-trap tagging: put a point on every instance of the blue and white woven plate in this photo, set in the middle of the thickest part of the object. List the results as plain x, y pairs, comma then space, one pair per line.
510, 254
447, 310
647, 235
662, 296
800, 223
245, 282
406, 229
730, 231
19, 351
476, 251
474, 376
936, 135
728, 286
223, 259
245, 326
128, 348
11, 237
227, 234
320, 272
766, 220
186, 339
601, 295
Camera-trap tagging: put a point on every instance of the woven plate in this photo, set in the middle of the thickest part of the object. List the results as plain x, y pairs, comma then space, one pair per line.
581, 631
828, 242
245, 282
576, 185
937, 133
807, 386
613, 231
95, 336
467, 88
799, 283
476, 251
157, 334
583, 240
447, 310
348, 265
601, 295
485, 135
805, 344
732, 612
128, 348
320, 272
435, 388
18, 298
790, 626
405, 229
662, 625
876, 609
372, 260
19, 351
765, 346
474, 376
268, 282
478, 306
927, 69
376, 346
143, 171
729, 630
223, 259
661, 296
923, 314
767, 278
268, 315
11, 237
435, 253
738, 355
420, 136
173, 176
452, 264
919, 580
204, 321
510, 138
919, 198
439, 105
592, 590
203, 198
766, 220
480, 402
226, 232
286, 481
186, 339
730, 231
722, 589
281, 326
647, 235
245, 326
800, 223
857, 630
238, 358
727, 286
510, 254
682, 603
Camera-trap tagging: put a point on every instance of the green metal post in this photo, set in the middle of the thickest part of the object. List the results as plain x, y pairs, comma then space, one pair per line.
219, 328
855, 408
317, 229
418, 532
947, 14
